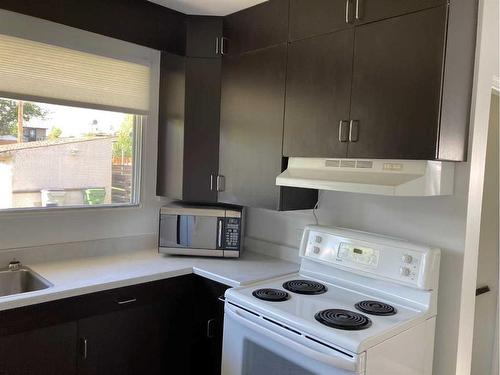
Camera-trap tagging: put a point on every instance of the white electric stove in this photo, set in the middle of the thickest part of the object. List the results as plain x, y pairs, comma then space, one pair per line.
360, 304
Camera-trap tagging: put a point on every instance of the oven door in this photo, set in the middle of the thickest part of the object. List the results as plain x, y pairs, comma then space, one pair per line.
254, 346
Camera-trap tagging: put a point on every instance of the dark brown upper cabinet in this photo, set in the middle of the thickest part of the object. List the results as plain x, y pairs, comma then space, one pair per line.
410, 85
203, 36
398, 67
188, 134
309, 18
201, 137
140, 22
171, 113
318, 92
374, 10
261, 26
188, 149
251, 131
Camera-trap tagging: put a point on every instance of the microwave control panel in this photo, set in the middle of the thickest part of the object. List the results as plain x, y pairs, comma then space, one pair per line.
231, 233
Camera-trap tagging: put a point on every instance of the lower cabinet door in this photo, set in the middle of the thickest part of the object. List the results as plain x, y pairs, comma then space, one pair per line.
207, 323
44, 351
126, 342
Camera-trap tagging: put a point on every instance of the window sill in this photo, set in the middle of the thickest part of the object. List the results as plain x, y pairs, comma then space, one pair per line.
72, 209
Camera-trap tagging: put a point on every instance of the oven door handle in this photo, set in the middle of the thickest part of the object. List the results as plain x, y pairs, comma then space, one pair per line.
332, 359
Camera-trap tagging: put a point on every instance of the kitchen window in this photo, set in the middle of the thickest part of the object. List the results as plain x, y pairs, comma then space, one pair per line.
71, 125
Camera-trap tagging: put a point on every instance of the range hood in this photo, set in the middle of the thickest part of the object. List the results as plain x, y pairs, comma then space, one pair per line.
410, 178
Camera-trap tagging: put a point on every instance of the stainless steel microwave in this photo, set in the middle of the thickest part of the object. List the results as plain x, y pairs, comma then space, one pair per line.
200, 230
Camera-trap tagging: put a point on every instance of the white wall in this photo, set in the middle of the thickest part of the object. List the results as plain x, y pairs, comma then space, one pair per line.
486, 304
50, 227
486, 66
437, 221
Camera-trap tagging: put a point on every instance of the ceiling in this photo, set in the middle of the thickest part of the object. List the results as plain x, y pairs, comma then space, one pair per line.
208, 7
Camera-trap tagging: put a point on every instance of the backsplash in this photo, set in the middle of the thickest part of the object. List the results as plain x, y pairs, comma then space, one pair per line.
80, 249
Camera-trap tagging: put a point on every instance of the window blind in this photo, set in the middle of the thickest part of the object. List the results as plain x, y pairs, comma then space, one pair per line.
38, 71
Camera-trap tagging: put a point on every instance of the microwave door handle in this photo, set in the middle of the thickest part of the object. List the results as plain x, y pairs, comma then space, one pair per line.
334, 359
178, 236
219, 233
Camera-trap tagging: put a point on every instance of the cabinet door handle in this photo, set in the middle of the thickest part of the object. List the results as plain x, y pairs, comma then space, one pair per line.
343, 131
348, 11
84, 348
358, 14
223, 45
353, 131
217, 45
127, 301
212, 182
210, 329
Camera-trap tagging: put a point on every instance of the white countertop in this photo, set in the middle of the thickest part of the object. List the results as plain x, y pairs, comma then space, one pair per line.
91, 274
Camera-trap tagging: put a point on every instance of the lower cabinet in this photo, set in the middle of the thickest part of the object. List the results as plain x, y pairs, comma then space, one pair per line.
44, 351
172, 326
128, 342
208, 324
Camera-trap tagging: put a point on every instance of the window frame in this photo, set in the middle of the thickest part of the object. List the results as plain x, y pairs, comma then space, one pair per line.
144, 181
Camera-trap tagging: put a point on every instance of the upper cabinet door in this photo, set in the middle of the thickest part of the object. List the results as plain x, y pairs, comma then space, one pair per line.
203, 36
261, 26
398, 67
373, 10
251, 128
201, 129
318, 94
316, 17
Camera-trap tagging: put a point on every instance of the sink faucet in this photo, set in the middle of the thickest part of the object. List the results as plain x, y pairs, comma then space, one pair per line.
15, 265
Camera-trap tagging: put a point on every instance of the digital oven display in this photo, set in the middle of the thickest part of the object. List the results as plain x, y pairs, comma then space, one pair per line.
362, 255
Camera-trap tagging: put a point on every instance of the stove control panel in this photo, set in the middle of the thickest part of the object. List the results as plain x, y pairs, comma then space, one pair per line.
372, 255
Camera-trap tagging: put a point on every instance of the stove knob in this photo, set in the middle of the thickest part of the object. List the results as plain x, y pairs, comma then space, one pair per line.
407, 258
404, 271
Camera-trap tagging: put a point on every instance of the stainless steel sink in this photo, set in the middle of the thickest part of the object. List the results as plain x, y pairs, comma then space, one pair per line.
20, 279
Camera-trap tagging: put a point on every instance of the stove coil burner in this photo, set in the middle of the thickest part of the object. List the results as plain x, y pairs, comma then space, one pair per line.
375, 308
304, 287
272, 295
343, 319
